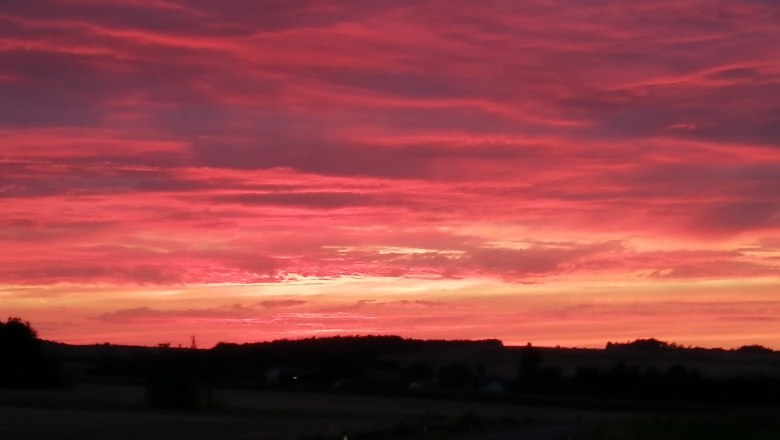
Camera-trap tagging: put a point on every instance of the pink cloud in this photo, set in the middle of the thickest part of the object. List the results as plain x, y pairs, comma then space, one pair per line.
189, 143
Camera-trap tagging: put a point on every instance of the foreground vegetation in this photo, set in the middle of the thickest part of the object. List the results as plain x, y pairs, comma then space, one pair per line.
386, 387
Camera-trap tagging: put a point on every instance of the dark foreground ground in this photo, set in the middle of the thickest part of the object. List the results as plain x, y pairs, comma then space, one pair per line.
119, 412
91, 411
384, 387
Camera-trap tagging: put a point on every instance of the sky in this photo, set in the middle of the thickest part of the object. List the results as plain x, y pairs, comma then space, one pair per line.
562, 173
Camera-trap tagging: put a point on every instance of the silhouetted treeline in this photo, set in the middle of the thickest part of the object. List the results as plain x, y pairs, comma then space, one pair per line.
364, 347
22, 362
676, 383
654, 345
631, 380
651, 344
641, 370
347, 359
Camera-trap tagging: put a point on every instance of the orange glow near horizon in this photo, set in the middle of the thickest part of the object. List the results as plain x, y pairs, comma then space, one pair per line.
244, 172
585, 314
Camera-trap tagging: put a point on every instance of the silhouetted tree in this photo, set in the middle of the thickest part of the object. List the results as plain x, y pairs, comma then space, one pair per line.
22, 363
18, 336
530, 360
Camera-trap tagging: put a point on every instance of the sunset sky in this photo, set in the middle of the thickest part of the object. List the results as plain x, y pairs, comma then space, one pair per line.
559, 172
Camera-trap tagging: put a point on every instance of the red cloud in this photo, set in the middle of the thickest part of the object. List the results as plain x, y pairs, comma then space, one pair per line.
195, 144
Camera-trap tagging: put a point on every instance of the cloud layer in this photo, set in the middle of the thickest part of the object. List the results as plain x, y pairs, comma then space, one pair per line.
192, 143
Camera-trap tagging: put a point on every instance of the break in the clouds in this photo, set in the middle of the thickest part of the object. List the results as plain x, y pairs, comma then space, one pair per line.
181, 145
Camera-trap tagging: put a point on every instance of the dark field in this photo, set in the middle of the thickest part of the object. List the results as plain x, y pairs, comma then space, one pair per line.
103, 411
119, 412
